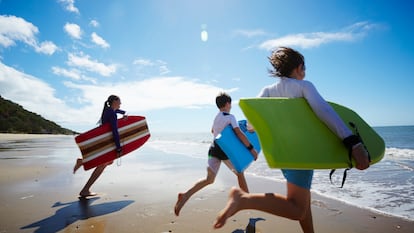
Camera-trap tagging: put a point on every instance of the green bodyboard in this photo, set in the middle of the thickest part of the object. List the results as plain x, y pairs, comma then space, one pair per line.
292, 136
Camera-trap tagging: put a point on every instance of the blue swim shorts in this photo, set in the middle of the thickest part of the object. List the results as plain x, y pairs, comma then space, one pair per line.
301, 178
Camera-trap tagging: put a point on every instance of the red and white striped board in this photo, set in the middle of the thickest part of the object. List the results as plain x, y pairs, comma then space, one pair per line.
98, 147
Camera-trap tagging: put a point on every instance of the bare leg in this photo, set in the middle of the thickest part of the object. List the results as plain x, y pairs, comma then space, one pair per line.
236, 202
307, 223
242, 182
78, 164
295, 206
240, 176
183, 197
94, 176
302, 197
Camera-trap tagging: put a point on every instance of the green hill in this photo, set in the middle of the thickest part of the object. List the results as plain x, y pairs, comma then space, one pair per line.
15, 119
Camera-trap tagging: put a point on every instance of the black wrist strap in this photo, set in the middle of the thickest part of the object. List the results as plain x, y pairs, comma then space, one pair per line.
351, 141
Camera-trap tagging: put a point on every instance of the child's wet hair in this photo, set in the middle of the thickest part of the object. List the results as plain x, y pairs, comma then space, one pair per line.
284, 60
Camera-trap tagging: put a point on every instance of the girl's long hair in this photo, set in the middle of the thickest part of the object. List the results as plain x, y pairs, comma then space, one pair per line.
107, 105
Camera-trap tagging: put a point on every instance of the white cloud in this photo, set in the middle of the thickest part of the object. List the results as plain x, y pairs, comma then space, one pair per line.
94, 23
161, 65
46, 47
99, 40
164, 70
138, 96
30, 92
143, 62
85, 62
73, 74
250, 33
315, 39
154, 93
73, 30
13, 29
70, 5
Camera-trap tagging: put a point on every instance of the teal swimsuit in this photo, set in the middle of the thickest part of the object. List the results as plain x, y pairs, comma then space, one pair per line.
301, 178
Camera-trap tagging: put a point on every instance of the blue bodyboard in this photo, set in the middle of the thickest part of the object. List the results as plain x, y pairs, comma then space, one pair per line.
238, 154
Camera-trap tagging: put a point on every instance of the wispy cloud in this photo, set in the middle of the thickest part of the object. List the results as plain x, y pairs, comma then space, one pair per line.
73, 74
143, 63
315, 39
163, 68
15, 29
69, 5
154, 93
73, 30
250, 33
94, 23
99, 40
28, 91
140, 95
83, 61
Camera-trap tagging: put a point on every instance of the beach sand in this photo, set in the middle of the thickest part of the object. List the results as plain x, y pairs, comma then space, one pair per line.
39, 194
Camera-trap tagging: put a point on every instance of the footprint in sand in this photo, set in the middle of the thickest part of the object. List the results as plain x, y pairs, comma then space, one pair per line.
323, 205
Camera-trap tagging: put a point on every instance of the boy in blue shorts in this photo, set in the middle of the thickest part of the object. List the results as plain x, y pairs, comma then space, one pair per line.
216, 155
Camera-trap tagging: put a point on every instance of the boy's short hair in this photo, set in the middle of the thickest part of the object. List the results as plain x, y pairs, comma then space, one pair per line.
222, 99
284, 60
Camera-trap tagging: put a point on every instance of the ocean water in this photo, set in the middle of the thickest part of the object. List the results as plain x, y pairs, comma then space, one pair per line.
386, 187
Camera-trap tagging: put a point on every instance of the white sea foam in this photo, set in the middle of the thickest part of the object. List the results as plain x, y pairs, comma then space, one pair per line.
386, 187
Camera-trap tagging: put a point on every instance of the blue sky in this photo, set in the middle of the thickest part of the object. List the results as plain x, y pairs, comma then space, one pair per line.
167, 60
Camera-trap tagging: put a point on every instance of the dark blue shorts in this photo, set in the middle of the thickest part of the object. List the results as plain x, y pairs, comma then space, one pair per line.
217, 152
301, 178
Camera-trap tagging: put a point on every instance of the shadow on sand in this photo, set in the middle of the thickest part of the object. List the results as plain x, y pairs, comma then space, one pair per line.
251, 226
74, 211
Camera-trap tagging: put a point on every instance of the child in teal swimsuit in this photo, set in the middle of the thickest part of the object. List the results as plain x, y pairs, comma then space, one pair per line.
289, 65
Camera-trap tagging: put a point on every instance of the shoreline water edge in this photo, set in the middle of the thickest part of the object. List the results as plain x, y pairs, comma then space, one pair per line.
39, 191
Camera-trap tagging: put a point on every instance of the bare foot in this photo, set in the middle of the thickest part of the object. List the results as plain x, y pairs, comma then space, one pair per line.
232, 207
180, 203
87, 194
361, 157
77, 165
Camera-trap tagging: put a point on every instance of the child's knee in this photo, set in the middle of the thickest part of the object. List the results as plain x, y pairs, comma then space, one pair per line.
211, 176
210, 179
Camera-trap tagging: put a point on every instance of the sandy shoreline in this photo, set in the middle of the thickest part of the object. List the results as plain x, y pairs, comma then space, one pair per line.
40, 195
11, 136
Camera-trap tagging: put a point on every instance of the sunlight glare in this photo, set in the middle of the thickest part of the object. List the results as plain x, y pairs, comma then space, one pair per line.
204, 36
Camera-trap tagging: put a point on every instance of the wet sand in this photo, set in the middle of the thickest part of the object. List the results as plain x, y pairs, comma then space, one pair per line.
40, 194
